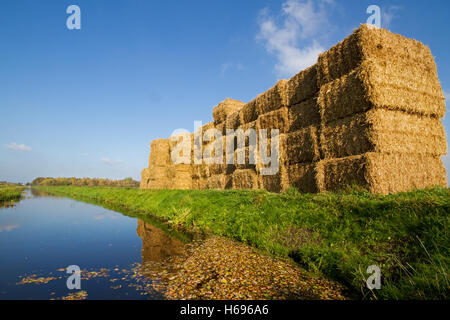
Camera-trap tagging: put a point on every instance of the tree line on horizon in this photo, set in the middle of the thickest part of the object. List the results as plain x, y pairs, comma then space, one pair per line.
89, 182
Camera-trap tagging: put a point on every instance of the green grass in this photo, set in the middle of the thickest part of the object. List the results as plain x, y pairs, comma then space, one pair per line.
10, 192
335, 234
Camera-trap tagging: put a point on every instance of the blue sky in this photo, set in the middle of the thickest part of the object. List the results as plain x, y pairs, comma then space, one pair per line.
88, 102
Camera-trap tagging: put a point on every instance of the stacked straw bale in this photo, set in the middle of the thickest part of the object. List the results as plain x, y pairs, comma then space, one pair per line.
226, 108
380, 104
245, 179
368, 113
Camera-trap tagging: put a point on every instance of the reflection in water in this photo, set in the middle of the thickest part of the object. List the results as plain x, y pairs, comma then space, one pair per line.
44, 234
42, 194
8, 227
157, 244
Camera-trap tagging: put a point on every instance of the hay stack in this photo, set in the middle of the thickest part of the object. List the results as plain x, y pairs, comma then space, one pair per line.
367, 113
181, 148
384, 173
306, 177
387, 131
248, 112
218, 182
380, 102
273, 99
278, 119
304, 114
367, 42
273, 183
201, 132
250, 159
374, 68
302, 146
159, 177
226, 108
145, 178
367, 87
302, 86
159, 153
201, 171
233, 121
245, 179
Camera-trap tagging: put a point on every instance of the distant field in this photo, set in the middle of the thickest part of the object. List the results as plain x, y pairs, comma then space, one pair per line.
335, 234
10, 192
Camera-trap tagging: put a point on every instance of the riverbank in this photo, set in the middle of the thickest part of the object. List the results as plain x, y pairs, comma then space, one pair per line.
333, 234
10, 193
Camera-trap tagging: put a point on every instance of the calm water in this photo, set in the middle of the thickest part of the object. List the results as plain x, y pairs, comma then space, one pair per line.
42, 235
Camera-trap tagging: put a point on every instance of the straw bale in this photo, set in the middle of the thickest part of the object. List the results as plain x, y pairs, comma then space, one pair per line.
145, 177
215, 169
380, 130
233, 121
245, 179
184, 168
302, 146
219, 182
302, 86
367, 87
159, 177
226, 108
280, 157
206, 139
245, 153
222, 128
273, 183
278, 119
229, 145
207, 126
248, 112
385, 173
305, 177
200, 184
181, 148
245, 127
304, 114
159, 153
200, 171
273, 99
209, 152
182, 181
367, 42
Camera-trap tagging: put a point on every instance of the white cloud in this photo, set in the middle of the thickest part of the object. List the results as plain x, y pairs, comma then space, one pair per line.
102, 216
17, 147
387, 15
111, 162
295, 42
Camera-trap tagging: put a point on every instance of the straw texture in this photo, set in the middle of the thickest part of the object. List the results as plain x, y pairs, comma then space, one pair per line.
245, 179
384, 131
302, 86
226, 108
384, 173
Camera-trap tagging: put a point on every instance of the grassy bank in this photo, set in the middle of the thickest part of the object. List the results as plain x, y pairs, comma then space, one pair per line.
335, 234
10, 192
